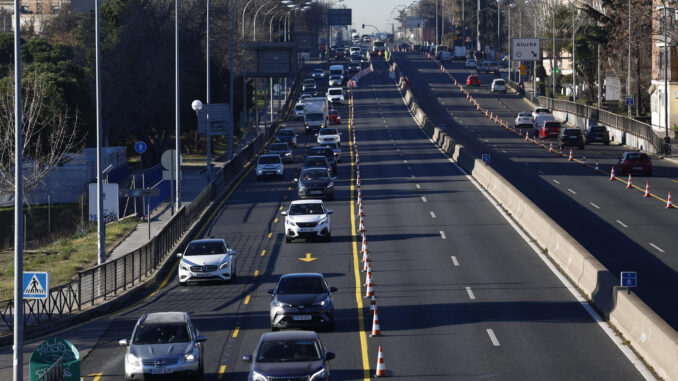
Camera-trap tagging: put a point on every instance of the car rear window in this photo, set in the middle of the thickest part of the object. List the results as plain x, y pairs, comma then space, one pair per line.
552, 125
279, 147
500, 82
598, 129
572, 131
637, 156
273, 159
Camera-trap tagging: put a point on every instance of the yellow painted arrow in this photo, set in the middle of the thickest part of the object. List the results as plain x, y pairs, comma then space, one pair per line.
308, 258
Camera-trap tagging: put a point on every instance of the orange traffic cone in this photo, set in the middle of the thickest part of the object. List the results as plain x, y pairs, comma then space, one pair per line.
612, 174
583, 161
669, 202
647, 189
361, 212
597, 167
527, 135
373, 305
360, 197
361, 227
550, 147
628, 183
381, 367
366, 264
571, 157
376, 330
369, 291
368, 277
366, 256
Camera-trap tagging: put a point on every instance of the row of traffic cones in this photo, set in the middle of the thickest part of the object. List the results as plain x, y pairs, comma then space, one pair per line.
364, 250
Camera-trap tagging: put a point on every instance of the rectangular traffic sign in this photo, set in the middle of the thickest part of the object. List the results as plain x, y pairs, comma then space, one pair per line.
629, 279
629, 100
36, 285
486, 158
526, 49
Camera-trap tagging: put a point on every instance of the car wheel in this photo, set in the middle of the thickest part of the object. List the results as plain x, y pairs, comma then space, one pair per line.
183, 284
274, 329
607, 143
288, 239
328, 237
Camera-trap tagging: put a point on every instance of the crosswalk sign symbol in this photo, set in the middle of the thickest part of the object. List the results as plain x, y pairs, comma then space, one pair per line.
36, 285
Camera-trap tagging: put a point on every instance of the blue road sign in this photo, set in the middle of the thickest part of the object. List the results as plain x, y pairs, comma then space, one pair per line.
486, 158
441, 126
629, 279
629, 100
140, 147
36, 285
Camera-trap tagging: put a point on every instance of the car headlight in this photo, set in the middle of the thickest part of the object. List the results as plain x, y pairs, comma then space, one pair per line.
279, 170
259, 171
256, 376
330, 185
185, 267
288, 153
224, 265
290, 222
324, 221
319, 375
323, 302
282, 304
189, 357
132, 360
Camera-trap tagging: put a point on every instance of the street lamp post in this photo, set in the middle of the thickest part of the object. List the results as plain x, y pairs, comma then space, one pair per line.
574, 61
244, 73
666, 71
628, 62
177, 126
18, 359
478, 25
101, 223
230, 98
208, 98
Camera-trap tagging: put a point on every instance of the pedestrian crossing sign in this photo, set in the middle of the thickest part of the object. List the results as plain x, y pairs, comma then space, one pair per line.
36, 285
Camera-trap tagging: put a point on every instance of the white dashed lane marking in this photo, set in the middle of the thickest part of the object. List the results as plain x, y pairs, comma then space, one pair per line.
442, 235
571, 191
493, 337
470, 293
556, 181
657, 247
423, 199
454, 261
594, 205
622, 224
433, 215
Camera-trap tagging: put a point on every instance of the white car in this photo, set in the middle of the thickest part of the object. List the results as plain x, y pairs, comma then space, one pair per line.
445, 56
471, 64
498, 84
270, 165
524, 120
329, 135
335, 80
307, 219
299, 111
206, 260
318, 73
335, 95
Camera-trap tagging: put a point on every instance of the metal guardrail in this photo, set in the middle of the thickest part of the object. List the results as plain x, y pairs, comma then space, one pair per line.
55, 372
103, 282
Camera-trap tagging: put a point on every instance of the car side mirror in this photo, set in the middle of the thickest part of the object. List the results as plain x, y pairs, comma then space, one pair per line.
233, 252
247, 358
333, 289
201, 339
123, 342
179, 255
334, 178
283, 213
269, 291
330, 211
329, 356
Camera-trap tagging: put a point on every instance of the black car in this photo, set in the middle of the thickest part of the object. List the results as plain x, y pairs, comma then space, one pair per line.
328, 153
597, 134
292, 355
315, 161
570, 137
315, 183
282, 149
302, 300
286, 135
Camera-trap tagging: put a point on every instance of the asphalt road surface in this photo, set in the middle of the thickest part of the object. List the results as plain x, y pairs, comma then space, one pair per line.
460, 294
621, 228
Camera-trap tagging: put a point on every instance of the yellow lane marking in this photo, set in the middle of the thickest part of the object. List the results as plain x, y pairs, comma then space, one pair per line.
674, 180
247, 299
270, 235
356, 261
222, 370
256, 272
289, 188
235, 333
276, 220
263, 252
281, 207
96, 376
308, 258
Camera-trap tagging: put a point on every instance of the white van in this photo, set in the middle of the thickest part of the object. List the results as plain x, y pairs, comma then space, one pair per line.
337, 70
335, 95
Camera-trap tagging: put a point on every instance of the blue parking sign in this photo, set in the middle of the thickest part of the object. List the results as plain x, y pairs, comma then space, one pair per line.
36, 285
629, 279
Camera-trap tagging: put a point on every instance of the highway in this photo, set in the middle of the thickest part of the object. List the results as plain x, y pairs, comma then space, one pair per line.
460, 293
621, 228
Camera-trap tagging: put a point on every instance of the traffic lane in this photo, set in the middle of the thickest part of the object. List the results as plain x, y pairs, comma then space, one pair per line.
616, 249
414, 257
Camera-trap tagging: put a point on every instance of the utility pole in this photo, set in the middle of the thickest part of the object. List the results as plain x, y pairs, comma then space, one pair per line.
553, 48
18, 356
628, 70
574, 62
437, 41
478, 25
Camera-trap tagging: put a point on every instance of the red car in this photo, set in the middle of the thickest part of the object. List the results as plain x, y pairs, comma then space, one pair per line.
334, 117
473, 80
550, 130
635, 162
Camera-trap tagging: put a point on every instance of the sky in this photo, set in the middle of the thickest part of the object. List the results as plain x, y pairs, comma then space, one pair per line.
380, 13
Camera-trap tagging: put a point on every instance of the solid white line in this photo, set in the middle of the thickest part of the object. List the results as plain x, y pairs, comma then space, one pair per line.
622, 224
442, 235
556, 181
423, 199
433, 215
540, 172
594, 205
470, 293
405, 161
418, 186
454, 261
397, 149
413, 175
657, 247
493, 338
571, 191
503, 151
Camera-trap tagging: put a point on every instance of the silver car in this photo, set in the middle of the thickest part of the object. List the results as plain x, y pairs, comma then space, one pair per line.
164, 343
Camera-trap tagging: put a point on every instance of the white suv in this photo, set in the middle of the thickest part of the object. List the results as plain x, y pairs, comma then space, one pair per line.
307, 219
329, 135
498, 84
206, 260
270, 165
335, 95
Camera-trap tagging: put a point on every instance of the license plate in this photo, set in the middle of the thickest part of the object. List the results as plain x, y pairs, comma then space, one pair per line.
269, 173
200, 275
638, 168
160, 371
573, 137
301, 317
304, 230
316, 192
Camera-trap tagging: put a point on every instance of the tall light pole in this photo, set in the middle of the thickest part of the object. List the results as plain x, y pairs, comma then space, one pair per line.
478, 25
553, 48
18, 359
437, 41
244, 73
574, 61
442, 21
498, 29
628, 62
230, 98
177, 126
208, 98
666, 71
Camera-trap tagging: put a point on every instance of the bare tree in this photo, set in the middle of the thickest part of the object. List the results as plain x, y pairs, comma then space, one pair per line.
48, 136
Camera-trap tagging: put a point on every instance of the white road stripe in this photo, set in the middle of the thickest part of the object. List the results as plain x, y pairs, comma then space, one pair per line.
470, 293
657, 247
622, 224
433, 215
493, 338
594, 205
423, 199
413, 175
556, 181
454, 261
418, 186
405, 161
442, 235
571, 191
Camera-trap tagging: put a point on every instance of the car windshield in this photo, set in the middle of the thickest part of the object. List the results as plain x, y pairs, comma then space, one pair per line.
551, 125
314, 117
278, 147
327, 131
165, 333
302, 209
288, 351
285, 133
636, 156
378, 44
336, 92
572, 132
206, 248
319, 71
299, 107
321, 152
334, 112
315, 174
301, 285
314, 162
331, 145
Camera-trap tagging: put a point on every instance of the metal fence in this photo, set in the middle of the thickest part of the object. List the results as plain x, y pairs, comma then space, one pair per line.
55, 372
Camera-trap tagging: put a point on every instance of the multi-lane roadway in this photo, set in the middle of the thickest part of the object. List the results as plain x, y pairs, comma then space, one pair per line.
461, 294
